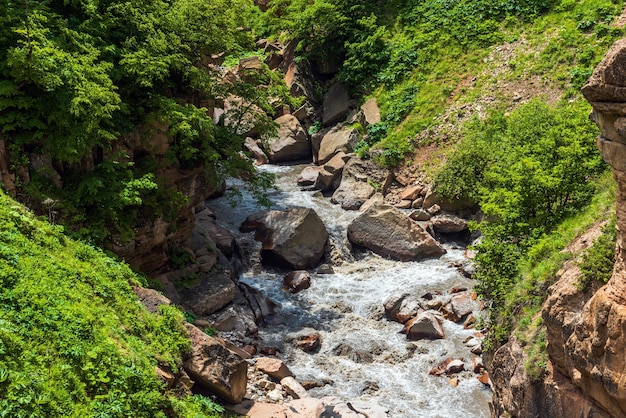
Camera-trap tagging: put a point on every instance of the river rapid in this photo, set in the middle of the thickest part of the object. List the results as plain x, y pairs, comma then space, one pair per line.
363, 355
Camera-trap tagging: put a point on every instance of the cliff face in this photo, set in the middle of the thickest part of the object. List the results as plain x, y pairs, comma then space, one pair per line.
586, 332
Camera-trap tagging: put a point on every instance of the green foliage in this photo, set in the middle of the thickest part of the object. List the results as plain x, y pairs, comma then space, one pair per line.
598, 261
81, 79
74, 339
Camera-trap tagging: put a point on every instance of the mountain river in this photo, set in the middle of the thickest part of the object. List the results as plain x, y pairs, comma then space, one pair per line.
381, 366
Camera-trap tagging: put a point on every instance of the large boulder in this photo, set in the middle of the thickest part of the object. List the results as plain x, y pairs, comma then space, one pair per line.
389, 232
295, 239
214, 367
291, 143
336, 104
360, 180
336, 141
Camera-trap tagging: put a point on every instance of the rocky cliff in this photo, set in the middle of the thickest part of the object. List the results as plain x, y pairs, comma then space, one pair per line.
586, 331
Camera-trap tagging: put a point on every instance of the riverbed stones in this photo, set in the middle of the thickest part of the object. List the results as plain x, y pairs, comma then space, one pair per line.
448, 224
291, 142
296, 281
273, 367
424, 326
293, 388
359, 181
213, 366
401, 307
295, 239
388, 232
309, 343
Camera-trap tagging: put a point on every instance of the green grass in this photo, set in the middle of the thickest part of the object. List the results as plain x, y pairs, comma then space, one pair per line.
74, 339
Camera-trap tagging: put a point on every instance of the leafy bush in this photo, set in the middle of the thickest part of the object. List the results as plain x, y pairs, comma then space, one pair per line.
598, 261
74, 339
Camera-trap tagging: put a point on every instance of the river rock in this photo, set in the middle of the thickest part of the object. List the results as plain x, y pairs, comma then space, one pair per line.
401, 307
333, 142
296, 281
448, 224
309, 343
390, 233
298, 408
292, 387
214, 367
351, 195
424, 326
412, 192
376, 198
308, 176
441, 367
295, 239
336, 407
273, 367
420, 215
356, 355
336, 104
461, 305
291, 143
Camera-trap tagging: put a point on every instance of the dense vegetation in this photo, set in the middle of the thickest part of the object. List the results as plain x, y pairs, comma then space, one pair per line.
81, 79
74, 339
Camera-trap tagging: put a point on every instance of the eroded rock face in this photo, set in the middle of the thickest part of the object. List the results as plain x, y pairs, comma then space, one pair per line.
295, 239
389, 232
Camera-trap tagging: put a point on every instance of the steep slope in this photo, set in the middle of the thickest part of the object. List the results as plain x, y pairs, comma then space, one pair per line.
74, 339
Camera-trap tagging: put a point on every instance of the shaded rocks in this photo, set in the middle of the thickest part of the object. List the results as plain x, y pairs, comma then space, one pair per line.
388, 232
424, 326
459, 307
448, 224
295, 239
211, 365
400, 307
336, 104
309, 343
297, 281
291, 143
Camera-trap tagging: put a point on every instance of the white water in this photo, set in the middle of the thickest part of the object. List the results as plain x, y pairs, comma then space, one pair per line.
346, 308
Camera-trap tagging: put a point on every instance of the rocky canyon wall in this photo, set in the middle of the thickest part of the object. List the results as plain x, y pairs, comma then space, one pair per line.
586, 331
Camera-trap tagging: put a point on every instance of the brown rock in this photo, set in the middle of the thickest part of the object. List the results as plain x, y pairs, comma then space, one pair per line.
273, 367
448, 224
411, 192
608, 82
454, 382
371, 111
256, 151
291, 143
424, 326
440, 368
484, 378
293, 239
292, 387
309, 343
390, 233
296, 281
420, 215
309, 176
150, 298
337, 141
403, 204
214, 367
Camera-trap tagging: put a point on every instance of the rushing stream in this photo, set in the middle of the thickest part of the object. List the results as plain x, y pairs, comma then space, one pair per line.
346, 309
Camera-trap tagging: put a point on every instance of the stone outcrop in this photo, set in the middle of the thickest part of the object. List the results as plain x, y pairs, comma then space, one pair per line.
213, 366
291, 142
390, 233
295, 239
